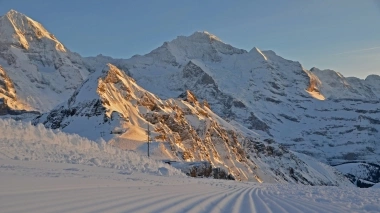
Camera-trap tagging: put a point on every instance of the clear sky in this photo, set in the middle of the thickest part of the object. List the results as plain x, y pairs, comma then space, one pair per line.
343, 35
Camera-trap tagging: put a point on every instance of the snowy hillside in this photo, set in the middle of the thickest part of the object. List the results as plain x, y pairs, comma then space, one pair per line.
112, 106
36, 71
319, 113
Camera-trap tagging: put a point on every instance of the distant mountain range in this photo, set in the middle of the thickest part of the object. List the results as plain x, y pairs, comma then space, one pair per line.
250, 112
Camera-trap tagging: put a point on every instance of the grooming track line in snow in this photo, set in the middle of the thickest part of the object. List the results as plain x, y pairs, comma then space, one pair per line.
31, 186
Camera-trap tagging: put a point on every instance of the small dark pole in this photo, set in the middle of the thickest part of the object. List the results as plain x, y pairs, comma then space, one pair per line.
148, 132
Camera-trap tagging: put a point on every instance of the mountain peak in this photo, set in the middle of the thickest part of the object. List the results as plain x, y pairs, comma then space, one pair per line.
257, 51
13, 12
110, 68
17, 28
199, 45
111, 73
16, 19
205, 35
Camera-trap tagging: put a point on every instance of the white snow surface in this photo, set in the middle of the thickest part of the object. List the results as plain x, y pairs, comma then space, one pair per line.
35, 187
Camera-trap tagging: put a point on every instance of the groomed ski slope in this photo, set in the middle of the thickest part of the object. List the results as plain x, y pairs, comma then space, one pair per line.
46, 171
35, 187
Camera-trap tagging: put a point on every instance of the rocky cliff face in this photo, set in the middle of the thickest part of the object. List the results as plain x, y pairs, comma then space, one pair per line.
38, 70
7, 89
111, 106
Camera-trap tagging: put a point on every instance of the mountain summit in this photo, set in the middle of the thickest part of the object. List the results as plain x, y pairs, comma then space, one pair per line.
199, 45
22, 31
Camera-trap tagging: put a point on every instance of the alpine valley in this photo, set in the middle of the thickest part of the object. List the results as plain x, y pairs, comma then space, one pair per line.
251, 114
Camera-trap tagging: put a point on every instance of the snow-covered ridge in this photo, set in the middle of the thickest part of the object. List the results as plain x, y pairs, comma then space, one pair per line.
198, 45
201, 35
335, 86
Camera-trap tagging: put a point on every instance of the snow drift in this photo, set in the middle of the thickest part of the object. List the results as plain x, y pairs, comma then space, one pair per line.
23, 141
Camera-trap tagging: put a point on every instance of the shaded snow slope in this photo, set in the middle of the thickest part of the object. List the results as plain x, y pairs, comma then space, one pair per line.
36, 187
23, 141
361, 171
42, 72
112, 106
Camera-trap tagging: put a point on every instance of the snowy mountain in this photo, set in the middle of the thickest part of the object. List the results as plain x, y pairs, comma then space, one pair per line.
36, 71
319, 113
111, 106
261, 102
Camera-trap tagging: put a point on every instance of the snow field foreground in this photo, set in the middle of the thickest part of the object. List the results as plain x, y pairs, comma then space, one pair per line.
49, 171
35, 187
23, 141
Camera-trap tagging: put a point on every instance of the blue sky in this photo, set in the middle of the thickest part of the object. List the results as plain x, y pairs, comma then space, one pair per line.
343, 35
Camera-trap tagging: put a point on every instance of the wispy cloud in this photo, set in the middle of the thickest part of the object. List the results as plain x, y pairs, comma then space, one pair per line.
355, 51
